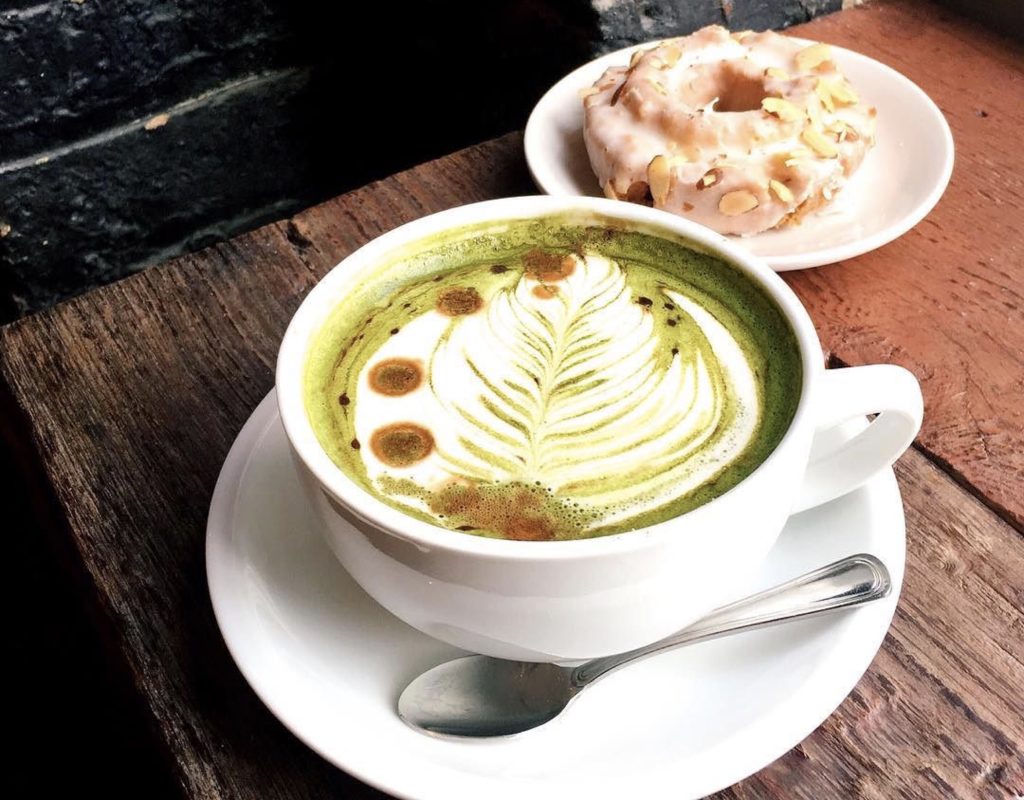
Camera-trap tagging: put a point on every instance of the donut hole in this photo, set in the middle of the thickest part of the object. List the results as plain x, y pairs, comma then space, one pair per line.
743, 93
738, 87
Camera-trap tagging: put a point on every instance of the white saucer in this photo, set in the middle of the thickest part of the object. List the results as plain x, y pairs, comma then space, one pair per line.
901, 179
330, 662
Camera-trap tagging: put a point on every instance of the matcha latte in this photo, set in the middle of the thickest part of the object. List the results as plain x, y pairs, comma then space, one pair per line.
558, 378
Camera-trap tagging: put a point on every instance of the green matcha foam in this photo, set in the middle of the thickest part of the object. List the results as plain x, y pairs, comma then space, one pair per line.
551, 379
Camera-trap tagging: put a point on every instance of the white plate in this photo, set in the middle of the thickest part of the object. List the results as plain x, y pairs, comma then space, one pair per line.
330, 662
902, 177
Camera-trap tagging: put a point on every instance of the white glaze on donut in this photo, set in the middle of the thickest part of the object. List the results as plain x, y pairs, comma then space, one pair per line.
739, 132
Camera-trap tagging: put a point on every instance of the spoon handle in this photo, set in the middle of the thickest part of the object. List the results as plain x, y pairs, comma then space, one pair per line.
848, 582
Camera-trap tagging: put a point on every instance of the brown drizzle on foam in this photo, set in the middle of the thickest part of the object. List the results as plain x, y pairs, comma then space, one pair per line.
518, 513
401, 444
544, 291
548, 267
396, 376
459, 300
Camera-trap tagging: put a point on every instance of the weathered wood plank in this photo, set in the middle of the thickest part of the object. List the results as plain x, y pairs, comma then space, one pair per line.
947, 299
940, 714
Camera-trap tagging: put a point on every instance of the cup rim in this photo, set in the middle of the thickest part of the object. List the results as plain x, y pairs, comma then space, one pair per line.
323, 297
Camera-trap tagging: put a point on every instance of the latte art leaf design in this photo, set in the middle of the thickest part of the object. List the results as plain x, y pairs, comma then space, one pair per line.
574, 388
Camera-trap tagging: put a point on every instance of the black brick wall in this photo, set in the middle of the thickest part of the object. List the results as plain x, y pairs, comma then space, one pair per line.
271, 105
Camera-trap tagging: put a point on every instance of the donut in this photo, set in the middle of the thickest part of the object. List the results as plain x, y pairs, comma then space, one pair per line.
740, 132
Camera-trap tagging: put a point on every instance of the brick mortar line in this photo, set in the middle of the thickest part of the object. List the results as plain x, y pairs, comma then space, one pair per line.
216, 94
31, 11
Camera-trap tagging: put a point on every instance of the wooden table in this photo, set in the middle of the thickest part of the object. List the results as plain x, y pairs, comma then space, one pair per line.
130, 397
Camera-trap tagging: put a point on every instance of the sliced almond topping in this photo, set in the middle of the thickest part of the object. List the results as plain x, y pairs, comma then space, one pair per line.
810, 57
841, 91
844, 93
838, 129
733, 204
781, 191
820, 143
609, 191
821, 89
590, 90
633, 59
814, 115
783, 109
775, 72
791, 155
710, 178
795, 156
658, 87
670, 54
659, 175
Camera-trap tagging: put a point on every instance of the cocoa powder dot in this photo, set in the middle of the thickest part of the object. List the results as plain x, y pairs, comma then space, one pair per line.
401, 444
395, 376
459, 300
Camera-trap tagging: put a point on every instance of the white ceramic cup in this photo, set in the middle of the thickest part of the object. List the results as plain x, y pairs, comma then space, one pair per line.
569, 600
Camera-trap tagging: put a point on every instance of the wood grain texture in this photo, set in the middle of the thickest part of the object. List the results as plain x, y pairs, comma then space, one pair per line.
946, 300
940, 713
135, 392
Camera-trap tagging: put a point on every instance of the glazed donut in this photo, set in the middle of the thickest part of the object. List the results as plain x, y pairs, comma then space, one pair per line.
740, 132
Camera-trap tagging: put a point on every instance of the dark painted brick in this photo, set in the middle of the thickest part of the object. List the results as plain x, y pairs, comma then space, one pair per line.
68, 70
762, 14
625, 22
92, 214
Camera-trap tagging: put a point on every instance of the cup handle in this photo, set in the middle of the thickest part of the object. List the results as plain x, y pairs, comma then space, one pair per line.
892, 393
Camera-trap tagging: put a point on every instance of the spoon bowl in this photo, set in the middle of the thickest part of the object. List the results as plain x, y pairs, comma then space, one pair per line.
479, 696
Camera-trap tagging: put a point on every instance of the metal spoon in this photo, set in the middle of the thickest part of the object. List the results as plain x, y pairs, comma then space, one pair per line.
480, 696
